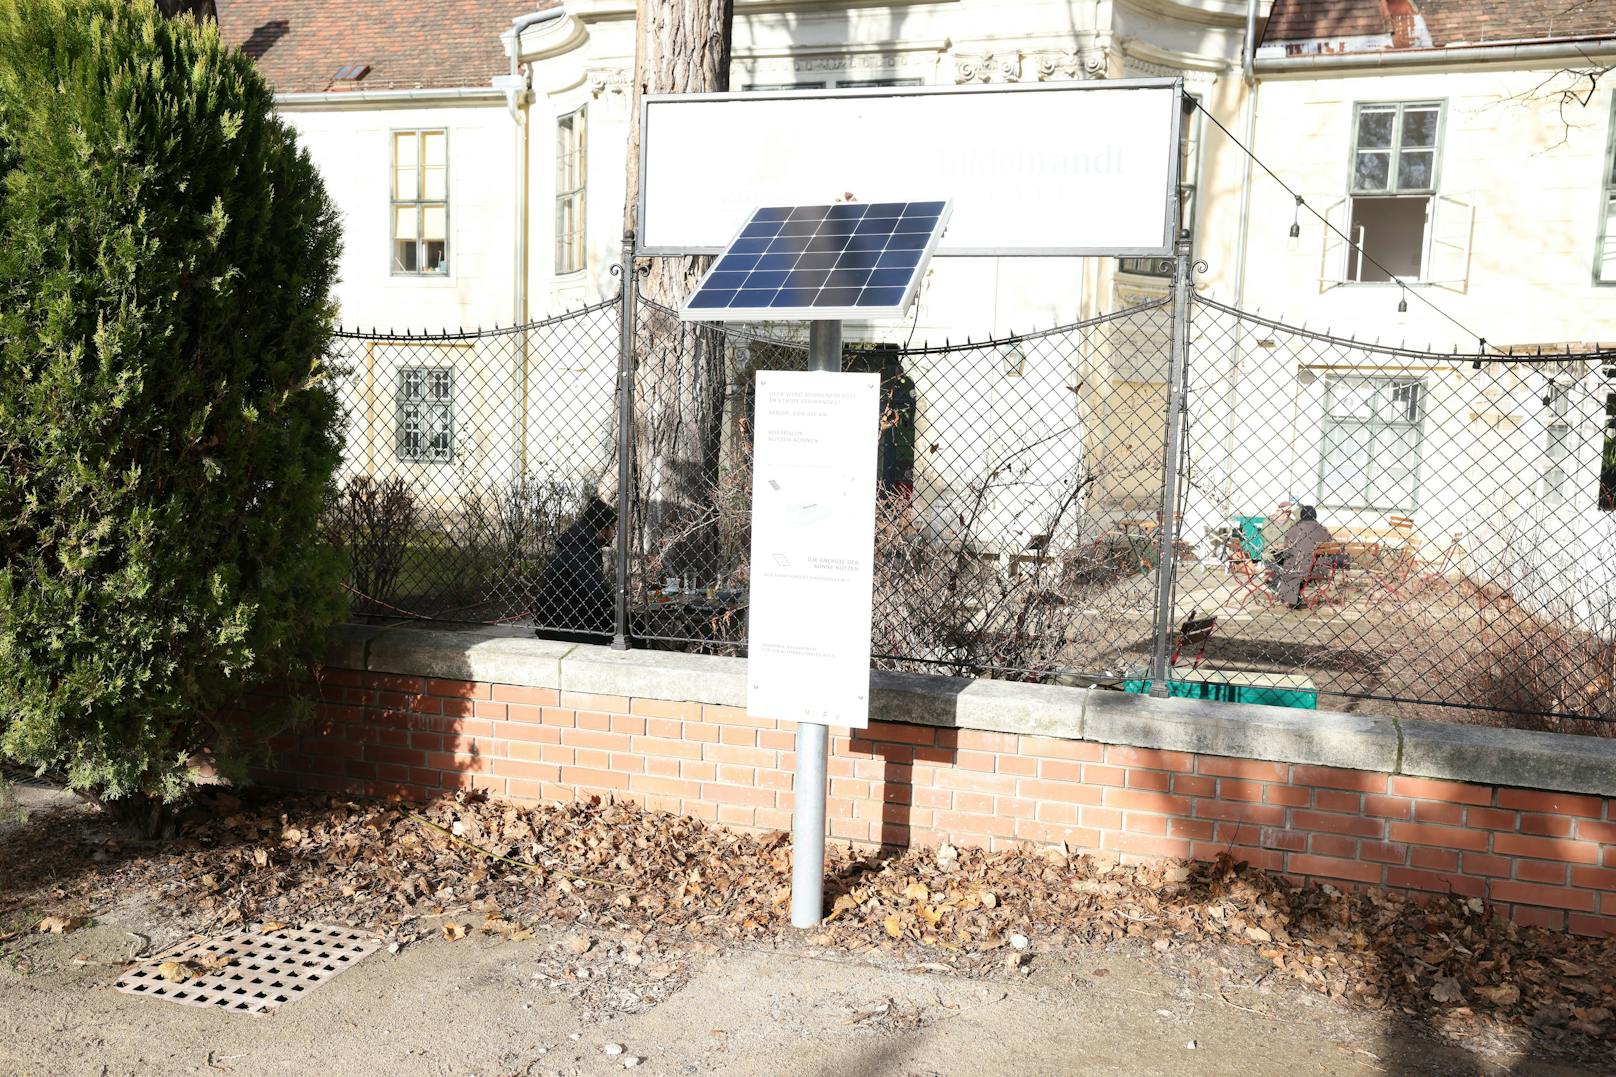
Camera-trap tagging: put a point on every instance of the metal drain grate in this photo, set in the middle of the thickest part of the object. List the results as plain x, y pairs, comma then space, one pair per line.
265, 969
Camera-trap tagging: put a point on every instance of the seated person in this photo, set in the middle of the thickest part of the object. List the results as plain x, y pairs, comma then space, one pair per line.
1295, 558
576, 601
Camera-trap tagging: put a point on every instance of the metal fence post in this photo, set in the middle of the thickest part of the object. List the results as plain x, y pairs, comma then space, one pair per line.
625, 440
1178, 367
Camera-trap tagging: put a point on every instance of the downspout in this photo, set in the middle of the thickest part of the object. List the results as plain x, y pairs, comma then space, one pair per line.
518, 87
1242, 231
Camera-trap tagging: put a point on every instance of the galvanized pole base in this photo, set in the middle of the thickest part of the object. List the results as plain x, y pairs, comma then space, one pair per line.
813, 741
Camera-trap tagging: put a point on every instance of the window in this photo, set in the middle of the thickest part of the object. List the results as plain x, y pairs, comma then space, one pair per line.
420, 204
572, 150
1189, 171
1556, 445
1605, 260
1393, 182
426, 413
1373, 434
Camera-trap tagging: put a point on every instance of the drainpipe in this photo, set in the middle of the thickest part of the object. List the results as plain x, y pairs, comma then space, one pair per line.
1232, 397
518, 87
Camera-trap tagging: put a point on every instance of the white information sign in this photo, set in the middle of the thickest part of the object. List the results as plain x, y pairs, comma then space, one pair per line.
813, 546
1058, 168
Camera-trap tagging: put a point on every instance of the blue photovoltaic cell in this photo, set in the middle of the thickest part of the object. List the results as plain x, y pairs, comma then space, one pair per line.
857, 257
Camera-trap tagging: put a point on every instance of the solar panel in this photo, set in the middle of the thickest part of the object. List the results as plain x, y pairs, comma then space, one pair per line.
847, 260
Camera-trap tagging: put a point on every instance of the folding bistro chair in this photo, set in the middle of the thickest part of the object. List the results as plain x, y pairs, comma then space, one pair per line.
1399, 556
1248, 575
1194, 632
1323, 570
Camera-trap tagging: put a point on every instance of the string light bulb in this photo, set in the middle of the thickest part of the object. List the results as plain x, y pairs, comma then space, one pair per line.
1402, 304
1295, 240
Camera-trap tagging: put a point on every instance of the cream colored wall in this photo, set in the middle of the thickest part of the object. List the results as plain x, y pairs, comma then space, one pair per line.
351, 148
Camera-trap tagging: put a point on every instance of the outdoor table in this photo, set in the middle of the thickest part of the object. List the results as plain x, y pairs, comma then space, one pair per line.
692, 618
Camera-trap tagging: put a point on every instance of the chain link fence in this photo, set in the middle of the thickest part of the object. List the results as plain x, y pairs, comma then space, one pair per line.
1356, 521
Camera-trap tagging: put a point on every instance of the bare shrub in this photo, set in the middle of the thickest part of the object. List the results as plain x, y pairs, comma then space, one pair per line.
373, 523
497, 543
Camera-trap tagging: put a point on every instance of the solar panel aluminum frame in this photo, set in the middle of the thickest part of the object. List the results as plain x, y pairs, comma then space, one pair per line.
816, 314
1172, 209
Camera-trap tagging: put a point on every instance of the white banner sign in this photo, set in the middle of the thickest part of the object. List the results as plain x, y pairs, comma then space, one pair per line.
813, 547
1073, 168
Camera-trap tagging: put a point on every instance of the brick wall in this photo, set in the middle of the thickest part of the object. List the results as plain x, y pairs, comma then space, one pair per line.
1546, 858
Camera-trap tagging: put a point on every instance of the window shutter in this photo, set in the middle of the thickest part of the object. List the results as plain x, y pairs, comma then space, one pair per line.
1453, 222
1333, 268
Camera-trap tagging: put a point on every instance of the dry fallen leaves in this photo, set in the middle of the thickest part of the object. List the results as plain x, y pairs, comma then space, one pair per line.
59, 925
373, 864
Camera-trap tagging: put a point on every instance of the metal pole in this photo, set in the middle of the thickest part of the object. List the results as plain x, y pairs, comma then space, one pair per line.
1177, 370
625, 440
808, 818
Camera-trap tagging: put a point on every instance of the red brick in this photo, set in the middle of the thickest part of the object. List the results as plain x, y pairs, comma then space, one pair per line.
1447, 837
1598, 926
1095, 774
533, 772
589, 701
1337, 801
1156, 780
1424, 856
900, 733
1436, 811
1332, 868
1135, 800
623, 723
1017, 764
1056, 813
1149, 758
1292, 796
1338, 824
1577, 852
739, 794
972, 781
1059, 770
1603, 879
1542, 871
1235, 789
1086, 751
1221, 767
1263, 859
1451, 792
535, 697
587, 738
740, 736
409, 757
676, 749
662, 708
1553, 826
1482, 864
1333, 845
1531, 916
1260, 814
1138, 823
588, 778
1269, 837
1363, 781
1600, 832
1383, 852
975, 803
1194, 785
1101, 818
1193, 829
1387, 807
1560, 803
965, 826
1145, 845
981, 740
1491, 818
1554, 897
1050, 833
595, 721
1435, 881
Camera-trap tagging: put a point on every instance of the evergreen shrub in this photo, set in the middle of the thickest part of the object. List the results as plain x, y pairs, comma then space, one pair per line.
167, 428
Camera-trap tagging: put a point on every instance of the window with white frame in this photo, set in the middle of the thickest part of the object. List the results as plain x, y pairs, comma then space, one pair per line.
1374, 432
1189, 170
1395, 152
1605, 261
425, 401
1556, 444
572, 151
420, 203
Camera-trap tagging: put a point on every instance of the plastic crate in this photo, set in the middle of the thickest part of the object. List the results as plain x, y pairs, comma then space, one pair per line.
1296, 696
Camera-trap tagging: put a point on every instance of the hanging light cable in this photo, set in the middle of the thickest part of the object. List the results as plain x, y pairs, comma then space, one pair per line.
1295, 240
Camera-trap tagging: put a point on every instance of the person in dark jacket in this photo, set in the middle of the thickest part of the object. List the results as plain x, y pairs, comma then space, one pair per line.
1295, 557
576, 600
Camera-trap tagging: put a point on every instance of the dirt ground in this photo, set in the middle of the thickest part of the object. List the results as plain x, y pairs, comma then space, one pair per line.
486, 1008
554, 1002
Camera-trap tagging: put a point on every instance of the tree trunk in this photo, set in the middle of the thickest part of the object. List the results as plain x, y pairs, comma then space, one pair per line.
200, 10
683, 46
